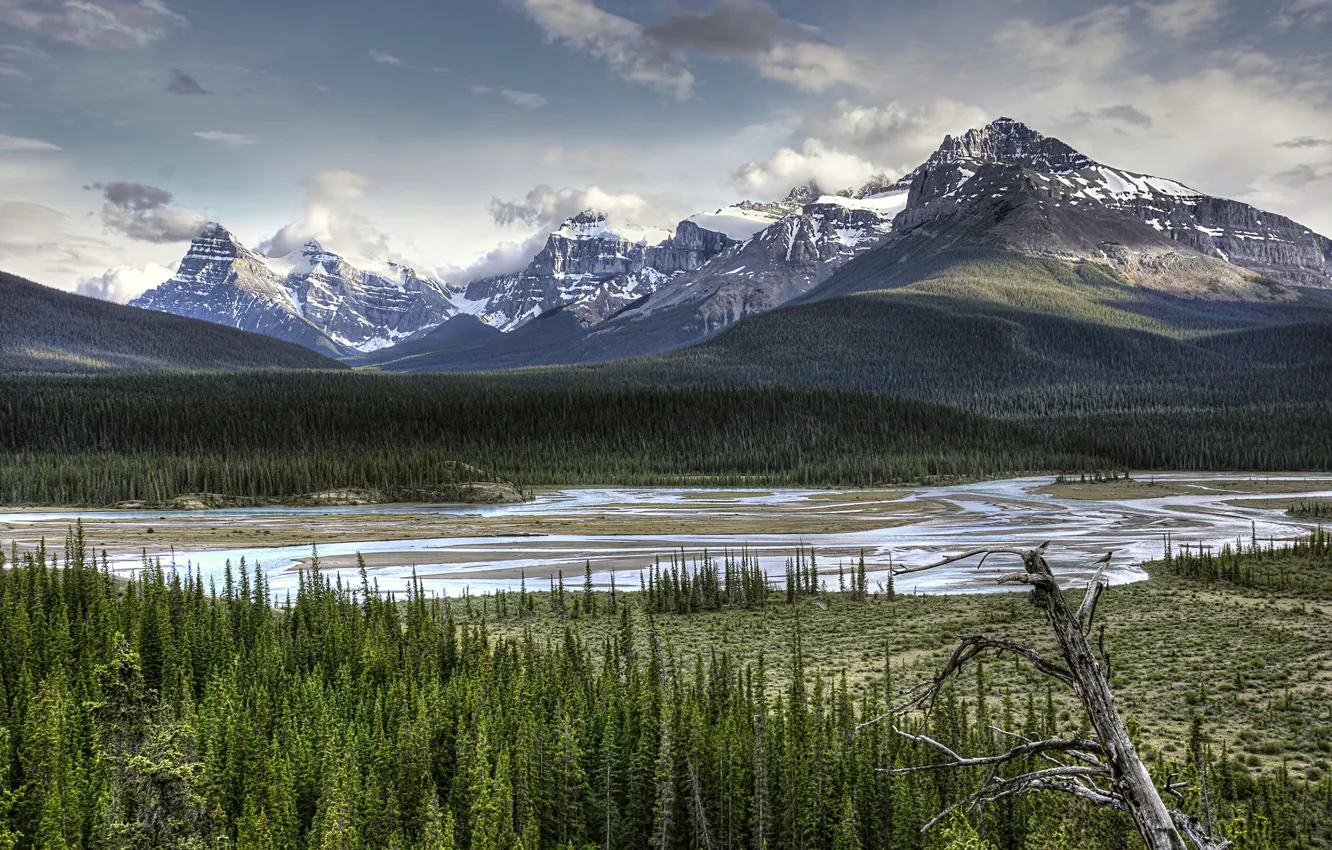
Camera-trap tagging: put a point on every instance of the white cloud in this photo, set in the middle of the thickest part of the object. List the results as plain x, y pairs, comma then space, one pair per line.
892, 136
617, 41
123, 283
385, 58
1091, 42
1181, 18
94, 24
329, 219
231, 140
814, 162
812, 66
541, 211
19, 143
527, 100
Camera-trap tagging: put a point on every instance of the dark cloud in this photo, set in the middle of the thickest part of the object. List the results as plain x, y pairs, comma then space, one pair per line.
1306, 142
1300, 176
1127, 114
144, 212
1122, 114
183, 83
732, 26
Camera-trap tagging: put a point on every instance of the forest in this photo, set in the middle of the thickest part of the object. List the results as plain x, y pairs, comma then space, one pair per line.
106, 439
173, 712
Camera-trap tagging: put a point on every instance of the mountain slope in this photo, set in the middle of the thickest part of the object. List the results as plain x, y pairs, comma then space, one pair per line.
593, 270
311, 297
46, 330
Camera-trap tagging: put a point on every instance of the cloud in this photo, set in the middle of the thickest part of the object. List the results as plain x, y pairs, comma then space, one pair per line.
1120, 114
1182, 18
329, 220
19, 53
231, 140
385, 58
619, 42
182, 83
144, 212
548, 208
527, 100
93, 24
1306, 142
850, 139
814, 162
1091, 42
542, 210
732, 26
42, 243
19, 143
1304, 13
123, 283
812, 66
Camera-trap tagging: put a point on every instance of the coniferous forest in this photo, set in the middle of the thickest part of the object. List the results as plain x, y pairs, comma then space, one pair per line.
170, 712
103, 440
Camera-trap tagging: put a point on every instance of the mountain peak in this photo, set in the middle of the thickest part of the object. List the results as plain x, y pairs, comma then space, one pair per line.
1008, 141
806, 194
214, 230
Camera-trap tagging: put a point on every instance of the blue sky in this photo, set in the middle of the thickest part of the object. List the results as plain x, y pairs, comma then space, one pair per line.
399, 129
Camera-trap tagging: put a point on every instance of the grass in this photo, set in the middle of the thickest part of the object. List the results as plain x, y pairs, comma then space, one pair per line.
1256, 665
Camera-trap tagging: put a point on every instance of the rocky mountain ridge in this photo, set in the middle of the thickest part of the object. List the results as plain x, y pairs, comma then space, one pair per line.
1003, 187
312, 296
593, 270
1008, 159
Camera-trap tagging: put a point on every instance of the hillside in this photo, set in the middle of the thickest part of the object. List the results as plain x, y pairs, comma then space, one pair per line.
46, 330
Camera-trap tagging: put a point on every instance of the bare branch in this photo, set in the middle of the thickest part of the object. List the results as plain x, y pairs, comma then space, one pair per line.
1069, 746
1033, 579
996, 788
1192, 830
985, 553
966, 651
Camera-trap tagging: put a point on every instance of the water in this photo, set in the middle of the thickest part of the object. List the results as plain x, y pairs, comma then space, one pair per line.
920, 527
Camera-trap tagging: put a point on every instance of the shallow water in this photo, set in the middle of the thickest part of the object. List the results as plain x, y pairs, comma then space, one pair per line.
922, 525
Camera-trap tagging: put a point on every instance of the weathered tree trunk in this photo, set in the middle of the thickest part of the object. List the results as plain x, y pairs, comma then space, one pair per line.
1128, 775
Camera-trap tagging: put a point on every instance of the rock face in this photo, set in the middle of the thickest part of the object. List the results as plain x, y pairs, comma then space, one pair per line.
593, 270
312, 296
793, 246
1008, 160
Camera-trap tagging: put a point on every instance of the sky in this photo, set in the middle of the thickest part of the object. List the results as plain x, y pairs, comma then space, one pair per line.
453, 134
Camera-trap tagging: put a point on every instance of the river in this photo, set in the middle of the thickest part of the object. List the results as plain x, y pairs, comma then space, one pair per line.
621, 531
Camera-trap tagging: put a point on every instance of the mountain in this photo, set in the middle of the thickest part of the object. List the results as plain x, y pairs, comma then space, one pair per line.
1038, 196
312, 297
47, 330
1000, 215
593, 270
810, 237
633, 298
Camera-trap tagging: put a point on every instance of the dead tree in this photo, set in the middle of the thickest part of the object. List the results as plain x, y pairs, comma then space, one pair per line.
1103, 768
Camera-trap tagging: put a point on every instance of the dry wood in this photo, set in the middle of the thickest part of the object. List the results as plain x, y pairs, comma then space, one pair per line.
1104, 769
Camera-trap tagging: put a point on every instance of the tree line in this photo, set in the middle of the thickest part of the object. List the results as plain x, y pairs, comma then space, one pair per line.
107, 439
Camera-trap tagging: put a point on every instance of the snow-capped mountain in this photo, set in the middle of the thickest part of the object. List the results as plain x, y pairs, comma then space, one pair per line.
788, 248
1007, 159
311, 296
593, 270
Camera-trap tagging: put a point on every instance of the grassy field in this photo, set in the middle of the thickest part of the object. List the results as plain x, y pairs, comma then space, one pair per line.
1255, 664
